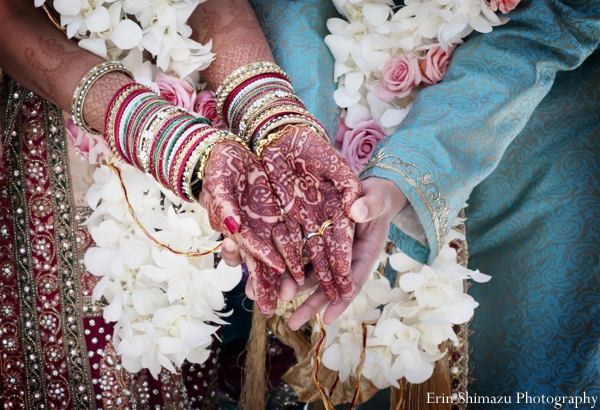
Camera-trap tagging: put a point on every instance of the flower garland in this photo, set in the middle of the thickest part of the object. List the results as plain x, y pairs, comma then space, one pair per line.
406, 324
383, 58
385, 54
162, 303
123, 29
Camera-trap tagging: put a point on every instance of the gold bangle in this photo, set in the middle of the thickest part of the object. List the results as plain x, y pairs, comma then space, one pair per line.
264, 137
207, 149
272, 112
239, 76
84, 86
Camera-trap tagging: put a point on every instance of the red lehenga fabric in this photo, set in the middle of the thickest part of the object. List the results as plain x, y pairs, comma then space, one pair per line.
56, 350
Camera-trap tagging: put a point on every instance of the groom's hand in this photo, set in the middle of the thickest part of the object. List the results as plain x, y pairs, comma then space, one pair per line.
373, 214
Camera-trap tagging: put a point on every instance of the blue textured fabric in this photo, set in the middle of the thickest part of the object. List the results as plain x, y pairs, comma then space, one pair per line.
295, 31
459, 129
534, 225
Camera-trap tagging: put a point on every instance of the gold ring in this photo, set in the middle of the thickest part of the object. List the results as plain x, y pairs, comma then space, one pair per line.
325, 225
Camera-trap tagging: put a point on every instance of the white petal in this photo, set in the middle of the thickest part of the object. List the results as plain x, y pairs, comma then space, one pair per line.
96, 259
340, 69
100, 287
126, 34
113, 311
98, 20
411, 281
353, 82
177, 287
73, 26
343, 100
417, 372
393, 117
332, 357
480, 277
376, 13
480, 24
68, 7
404, 263
94, 45
198, 355
229, 276
356, 114
454, 27
339, 46
157, 274
336, 25
169, 345
135, 253
144, 301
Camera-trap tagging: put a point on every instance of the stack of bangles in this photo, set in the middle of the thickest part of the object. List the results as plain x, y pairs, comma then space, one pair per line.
171, 145
256, 99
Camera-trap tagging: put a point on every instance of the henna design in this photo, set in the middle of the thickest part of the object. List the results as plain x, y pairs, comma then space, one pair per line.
55, 62
313, 183
236, 184
99, 96
236, 35
287, 237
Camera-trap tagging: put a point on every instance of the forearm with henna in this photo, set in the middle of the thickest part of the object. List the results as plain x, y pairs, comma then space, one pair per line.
41, 58
237, 38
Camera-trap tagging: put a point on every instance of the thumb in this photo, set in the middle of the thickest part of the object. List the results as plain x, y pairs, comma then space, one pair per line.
367, 208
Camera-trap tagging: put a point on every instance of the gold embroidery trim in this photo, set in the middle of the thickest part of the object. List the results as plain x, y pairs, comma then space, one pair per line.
37, 392
66, 258
429, 192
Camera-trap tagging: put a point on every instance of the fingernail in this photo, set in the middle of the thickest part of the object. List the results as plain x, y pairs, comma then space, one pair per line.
231, 224
361, 212
276, 270
230, 246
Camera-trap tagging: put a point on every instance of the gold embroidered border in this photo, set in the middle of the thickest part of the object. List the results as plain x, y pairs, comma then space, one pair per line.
429, 192
66, 257
16, 96
37, 392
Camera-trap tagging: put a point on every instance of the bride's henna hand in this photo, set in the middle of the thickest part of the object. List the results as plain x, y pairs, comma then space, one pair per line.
313, 184
242, 206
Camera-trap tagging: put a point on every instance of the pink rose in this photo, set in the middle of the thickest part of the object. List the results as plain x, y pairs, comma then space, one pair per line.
177, 91
90, 146
504, 5
400, 76
359, 143
205, 106
434, 67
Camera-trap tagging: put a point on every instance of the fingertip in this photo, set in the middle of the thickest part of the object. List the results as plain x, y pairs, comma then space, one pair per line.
229, 245
359, 211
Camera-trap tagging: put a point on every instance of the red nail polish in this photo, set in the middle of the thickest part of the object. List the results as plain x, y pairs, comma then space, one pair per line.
276, 270
231, 224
